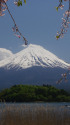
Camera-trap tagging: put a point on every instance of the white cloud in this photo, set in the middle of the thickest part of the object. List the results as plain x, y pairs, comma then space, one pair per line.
4, 53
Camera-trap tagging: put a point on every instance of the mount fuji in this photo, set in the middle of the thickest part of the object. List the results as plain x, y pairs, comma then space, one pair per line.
32, 65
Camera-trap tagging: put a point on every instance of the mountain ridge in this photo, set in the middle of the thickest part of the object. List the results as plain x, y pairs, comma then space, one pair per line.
33, 55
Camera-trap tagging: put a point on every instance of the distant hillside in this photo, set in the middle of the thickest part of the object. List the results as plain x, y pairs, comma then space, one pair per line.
30, 93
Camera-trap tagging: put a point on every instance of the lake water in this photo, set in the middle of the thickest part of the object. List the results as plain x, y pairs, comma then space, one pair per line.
32, 106
54, 104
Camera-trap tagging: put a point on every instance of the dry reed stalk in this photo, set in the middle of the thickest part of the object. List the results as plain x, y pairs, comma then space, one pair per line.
23, 114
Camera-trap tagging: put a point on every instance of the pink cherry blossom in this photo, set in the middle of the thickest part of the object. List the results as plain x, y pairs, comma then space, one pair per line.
67, 12
61, 6
17, 35
2, 7
16, 3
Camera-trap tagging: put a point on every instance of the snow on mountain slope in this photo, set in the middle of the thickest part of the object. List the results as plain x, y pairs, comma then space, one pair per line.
4, 53
33, 55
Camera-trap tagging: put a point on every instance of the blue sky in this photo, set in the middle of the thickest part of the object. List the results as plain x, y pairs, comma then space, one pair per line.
38, 21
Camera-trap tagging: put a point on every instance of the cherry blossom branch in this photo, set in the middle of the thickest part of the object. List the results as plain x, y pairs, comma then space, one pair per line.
60, 5
69, 4
15, 29
65, 23
64, 27
63, 77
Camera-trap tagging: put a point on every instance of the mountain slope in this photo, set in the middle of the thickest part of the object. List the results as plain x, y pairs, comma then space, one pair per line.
33, 55
33, 65
33, 76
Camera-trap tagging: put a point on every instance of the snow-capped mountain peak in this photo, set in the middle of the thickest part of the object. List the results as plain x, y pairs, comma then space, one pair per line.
33, 55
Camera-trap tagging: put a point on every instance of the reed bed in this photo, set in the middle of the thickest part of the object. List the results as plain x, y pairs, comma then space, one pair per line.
33, 114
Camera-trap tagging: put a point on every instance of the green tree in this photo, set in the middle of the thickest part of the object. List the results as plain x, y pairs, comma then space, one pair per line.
29, 93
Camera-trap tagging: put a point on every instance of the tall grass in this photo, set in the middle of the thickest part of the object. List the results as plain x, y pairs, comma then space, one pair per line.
22, 114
